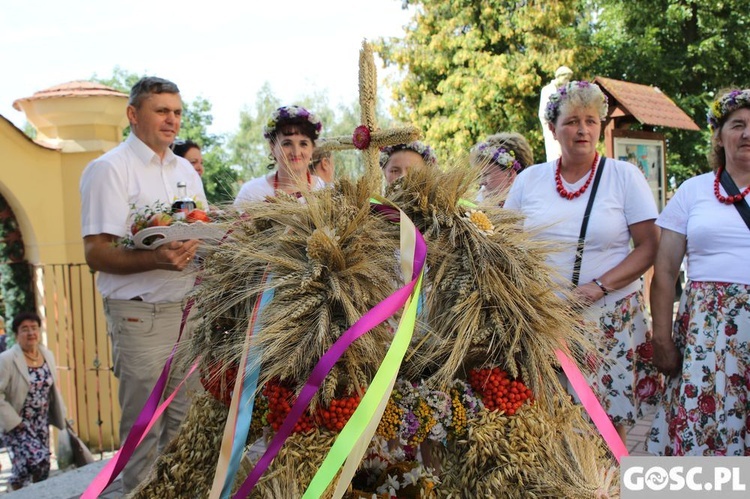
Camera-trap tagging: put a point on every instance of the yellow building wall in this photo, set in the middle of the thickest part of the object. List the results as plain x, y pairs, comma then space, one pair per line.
41, 186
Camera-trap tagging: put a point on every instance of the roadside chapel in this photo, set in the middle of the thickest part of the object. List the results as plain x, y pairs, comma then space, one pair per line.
631, 104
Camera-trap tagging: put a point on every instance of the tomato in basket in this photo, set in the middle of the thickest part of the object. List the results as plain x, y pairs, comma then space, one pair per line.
197, 216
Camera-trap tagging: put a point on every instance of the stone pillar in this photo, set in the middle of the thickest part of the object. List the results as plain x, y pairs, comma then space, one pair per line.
75, 117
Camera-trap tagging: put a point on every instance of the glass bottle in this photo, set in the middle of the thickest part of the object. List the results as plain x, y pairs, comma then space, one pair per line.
184, 204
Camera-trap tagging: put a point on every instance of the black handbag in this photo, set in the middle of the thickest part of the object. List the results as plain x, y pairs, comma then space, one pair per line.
71, 451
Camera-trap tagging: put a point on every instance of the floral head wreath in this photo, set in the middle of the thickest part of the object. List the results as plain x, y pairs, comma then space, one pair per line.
501, 156
552, 111
428, 155
290, 114
725, 105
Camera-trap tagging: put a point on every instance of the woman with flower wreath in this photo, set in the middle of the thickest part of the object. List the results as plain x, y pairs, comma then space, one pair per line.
291, 133
501, 157
397, 160
554, 197
706, 407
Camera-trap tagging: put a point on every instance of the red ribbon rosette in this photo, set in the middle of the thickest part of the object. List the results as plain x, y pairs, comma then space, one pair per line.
361, 137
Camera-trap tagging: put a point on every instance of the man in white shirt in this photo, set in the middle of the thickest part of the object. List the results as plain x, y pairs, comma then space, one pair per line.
143, 290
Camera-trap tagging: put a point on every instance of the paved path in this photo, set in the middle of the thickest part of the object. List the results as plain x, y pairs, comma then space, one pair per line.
636, 442
60, 485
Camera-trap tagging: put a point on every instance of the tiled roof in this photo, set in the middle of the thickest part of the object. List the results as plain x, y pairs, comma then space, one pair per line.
72, 89
647, 104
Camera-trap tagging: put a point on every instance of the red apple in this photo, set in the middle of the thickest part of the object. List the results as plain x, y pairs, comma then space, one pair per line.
197, 216
137, 226
160, 220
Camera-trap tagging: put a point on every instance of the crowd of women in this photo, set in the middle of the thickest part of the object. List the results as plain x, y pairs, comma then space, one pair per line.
703, 355
602, 215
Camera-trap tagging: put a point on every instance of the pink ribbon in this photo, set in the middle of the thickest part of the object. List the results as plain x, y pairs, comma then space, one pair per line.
107, 475
592, 406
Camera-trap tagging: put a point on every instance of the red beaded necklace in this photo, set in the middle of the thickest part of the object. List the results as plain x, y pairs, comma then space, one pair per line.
276, 182
728, 199
559, 181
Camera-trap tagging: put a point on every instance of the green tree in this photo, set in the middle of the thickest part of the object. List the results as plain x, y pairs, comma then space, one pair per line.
690, 49
16, 289
219, 178
121, 79
248, 147
475, 67
29, 130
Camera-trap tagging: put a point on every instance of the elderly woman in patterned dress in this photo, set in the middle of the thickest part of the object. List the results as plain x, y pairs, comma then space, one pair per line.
706, 408
29, 402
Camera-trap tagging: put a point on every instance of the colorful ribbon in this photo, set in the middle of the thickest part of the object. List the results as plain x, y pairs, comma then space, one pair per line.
355, 437
592, 406
110, 471
241, 409
150, 412
378, 314
146, 419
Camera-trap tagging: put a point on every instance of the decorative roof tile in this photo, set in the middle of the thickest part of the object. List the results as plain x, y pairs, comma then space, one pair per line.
646, 104
72, 89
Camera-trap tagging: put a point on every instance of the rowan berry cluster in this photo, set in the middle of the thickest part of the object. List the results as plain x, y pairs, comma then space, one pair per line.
338, 412
498, 391
219, 381
281, 399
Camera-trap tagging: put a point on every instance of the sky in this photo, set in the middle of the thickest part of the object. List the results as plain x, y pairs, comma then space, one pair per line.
222, 50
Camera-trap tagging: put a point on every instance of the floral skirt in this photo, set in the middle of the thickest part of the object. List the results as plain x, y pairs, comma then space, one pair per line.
706, 410
29, 446
625, 379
